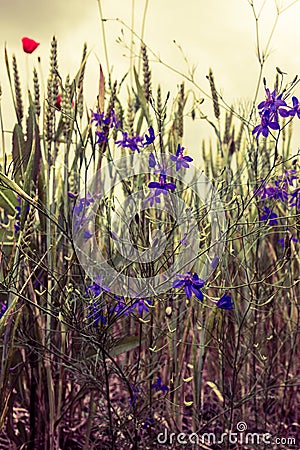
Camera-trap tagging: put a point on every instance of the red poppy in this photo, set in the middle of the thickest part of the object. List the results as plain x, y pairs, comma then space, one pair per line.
29, 45
58, 102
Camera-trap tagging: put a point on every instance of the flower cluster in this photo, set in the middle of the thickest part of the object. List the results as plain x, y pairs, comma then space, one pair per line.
104, 123
137, 142
95, 289
192, 284
100, 312
281, 188
270, 110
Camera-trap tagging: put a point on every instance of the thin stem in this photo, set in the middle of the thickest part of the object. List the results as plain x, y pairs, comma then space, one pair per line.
103, 34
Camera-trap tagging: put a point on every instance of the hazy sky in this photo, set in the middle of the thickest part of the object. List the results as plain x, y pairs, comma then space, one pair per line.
215, 33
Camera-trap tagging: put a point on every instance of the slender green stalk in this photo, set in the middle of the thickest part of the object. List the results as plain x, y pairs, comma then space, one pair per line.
103, 35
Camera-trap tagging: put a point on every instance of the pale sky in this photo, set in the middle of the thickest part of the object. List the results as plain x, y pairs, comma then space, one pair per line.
215, 33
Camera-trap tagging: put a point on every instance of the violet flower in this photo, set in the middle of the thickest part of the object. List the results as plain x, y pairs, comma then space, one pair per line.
265, 124
191, 283
269, 216
152, 161
158, 386
149, 139
97, 314
272, 102
141, 305
295, 109
96, 288
162, 187
181, 161
3, 308
134, 143
225, 302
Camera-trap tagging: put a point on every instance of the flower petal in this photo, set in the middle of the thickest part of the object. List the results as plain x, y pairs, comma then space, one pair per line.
29, 45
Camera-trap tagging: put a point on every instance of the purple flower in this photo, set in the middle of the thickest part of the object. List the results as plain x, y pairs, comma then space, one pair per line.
270, 191
295, 109
269, 216
87, 234
149, 139
104, 123
123, 142
135, 391
148, 422
95, 289
215, 262
158, 386
282, 241
97, 314
225, 302
72, 195
271, 108
191, 283
97, 117
181, 161
286, 180
109, 121
141, 305
152, 161
134, 143
272, 102
120, 307
280, 187
102, 137
162, 186
295, 198
266, 123
153, 198
183, 241
82, 203
3, 308
17, 224
79, 208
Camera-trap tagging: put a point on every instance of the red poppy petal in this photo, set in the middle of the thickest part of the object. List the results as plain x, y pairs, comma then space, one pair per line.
58, 102
29, 45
